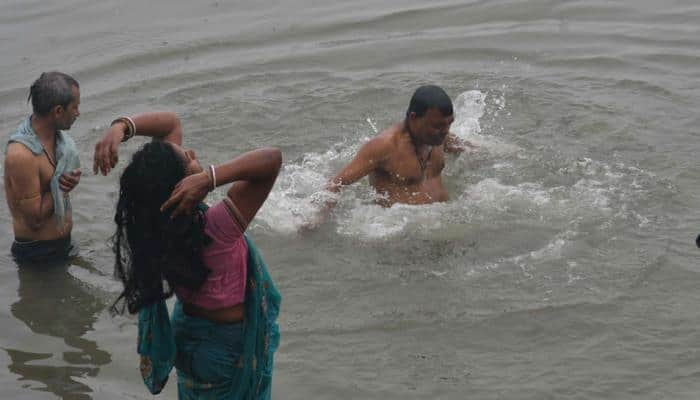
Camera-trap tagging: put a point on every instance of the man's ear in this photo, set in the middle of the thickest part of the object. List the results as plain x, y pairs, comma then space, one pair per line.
57, 111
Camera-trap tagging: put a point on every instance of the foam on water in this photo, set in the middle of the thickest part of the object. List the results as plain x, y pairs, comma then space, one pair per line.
298, 195
371, 221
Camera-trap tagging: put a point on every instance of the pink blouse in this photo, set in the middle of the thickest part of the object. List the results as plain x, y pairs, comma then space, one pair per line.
226, 257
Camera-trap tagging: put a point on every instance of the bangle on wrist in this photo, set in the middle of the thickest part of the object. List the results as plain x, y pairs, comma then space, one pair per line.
207, 172
212, 175
130, 127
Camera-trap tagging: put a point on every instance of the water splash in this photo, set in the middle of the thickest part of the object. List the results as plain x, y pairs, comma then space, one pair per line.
592, 189
299, 193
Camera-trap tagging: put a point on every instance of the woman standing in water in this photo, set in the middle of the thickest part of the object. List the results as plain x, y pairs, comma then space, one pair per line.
223, 330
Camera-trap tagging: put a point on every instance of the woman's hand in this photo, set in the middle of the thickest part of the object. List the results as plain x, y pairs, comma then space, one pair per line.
107, 149
187, 194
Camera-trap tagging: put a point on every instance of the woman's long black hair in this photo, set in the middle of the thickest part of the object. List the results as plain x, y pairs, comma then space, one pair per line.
155, 253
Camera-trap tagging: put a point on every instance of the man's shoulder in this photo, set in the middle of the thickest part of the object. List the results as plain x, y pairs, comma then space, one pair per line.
19, 155
379, 147
389, 136
389, 143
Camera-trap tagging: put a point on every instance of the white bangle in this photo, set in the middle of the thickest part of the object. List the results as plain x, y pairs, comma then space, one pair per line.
130, 127
213, 176
133, 125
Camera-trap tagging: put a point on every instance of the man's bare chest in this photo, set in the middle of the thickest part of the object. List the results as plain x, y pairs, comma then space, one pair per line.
46, 170
408, 169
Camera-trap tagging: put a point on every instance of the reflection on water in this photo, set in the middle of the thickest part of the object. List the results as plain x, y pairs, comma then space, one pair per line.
53, 303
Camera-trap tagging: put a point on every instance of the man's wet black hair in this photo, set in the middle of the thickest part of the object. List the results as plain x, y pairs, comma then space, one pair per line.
51, 89
427, 97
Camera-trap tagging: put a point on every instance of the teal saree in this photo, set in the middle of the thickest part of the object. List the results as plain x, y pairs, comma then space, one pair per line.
214, 361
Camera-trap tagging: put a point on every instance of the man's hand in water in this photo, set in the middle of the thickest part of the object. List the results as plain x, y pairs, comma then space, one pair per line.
187, 194
327, 200
454, 144
69, 181
312, 224
107, 149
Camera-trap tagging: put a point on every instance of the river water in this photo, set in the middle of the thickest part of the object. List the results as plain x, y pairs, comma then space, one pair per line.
563, 266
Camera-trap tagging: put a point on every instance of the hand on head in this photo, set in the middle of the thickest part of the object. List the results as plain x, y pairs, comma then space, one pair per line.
189, 192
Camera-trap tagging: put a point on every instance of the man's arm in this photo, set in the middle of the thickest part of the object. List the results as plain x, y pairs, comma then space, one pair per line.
454, 144
370, 157
23, 173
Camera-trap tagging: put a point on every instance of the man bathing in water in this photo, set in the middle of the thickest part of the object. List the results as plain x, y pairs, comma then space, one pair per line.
41, 168
405, 161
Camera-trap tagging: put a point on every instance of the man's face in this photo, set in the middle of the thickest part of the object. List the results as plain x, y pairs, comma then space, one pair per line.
66, 116
433, 127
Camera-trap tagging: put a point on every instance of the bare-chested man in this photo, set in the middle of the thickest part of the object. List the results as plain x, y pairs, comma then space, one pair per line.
41, 168
405, 161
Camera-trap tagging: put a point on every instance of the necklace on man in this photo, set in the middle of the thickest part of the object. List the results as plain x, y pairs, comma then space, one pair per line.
421, 162
51, 161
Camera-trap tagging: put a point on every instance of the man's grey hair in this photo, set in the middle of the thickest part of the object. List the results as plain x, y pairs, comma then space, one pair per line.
51, 89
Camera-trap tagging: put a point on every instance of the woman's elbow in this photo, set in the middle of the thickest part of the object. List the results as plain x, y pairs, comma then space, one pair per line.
274, 158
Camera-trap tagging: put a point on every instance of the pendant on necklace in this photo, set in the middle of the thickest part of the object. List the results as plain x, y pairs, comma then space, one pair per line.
423, 163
